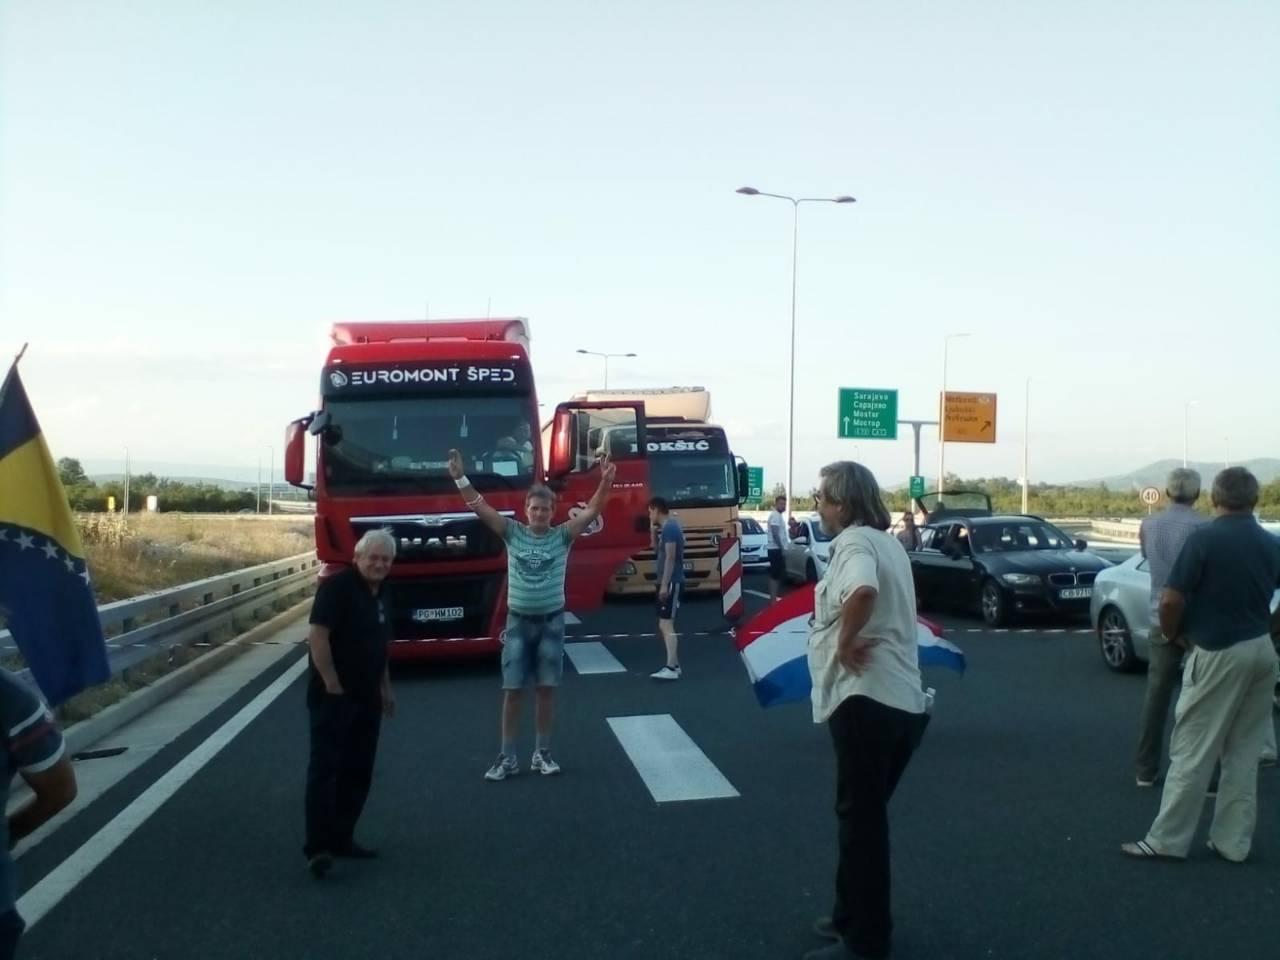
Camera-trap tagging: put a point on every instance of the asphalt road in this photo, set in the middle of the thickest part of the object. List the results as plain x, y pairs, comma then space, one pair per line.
1006, 828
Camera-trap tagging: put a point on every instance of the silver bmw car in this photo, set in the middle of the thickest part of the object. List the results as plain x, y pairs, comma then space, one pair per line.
1120, 611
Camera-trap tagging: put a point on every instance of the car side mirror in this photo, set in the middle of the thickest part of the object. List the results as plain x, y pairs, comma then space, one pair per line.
802, 541
1082, 544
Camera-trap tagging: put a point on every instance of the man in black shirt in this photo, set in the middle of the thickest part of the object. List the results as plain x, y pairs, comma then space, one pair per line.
1216, 602
348, 693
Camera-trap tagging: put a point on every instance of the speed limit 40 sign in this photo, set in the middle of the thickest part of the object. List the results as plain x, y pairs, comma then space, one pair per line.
1150, 496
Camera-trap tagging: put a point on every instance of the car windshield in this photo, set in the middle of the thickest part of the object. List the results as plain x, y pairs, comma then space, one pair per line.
1019, 535
401, 445
750, 526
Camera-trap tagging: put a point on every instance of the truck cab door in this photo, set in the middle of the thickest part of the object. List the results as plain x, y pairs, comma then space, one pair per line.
580, 432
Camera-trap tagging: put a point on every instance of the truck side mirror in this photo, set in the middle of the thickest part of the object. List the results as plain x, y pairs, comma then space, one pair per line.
560, 459
295, 449
744, 481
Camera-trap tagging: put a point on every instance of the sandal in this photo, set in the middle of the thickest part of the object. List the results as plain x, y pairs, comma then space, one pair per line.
1144, 851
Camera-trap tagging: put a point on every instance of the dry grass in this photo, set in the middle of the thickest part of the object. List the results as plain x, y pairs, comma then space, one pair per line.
154, 551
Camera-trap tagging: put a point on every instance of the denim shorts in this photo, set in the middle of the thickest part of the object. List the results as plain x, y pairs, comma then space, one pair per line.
533, 649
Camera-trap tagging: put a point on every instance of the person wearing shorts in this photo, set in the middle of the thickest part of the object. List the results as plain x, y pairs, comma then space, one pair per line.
778, 541
533, 642
668, 546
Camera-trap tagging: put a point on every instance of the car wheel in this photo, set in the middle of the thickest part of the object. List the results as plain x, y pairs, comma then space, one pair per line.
1115, 639
810, 571
995, 609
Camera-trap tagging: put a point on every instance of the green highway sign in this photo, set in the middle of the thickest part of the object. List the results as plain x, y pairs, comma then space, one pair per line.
917, 486
867, 414
755, 484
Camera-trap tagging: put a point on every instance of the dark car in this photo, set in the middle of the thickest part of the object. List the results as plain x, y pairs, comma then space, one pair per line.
1000, 566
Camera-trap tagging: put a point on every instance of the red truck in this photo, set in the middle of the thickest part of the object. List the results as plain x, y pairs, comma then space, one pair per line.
394, 398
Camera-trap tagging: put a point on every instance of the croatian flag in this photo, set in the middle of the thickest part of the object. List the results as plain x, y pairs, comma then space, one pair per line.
774, 647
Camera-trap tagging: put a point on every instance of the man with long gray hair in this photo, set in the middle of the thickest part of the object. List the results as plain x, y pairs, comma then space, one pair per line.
1217, 604
348, 693
1161, 538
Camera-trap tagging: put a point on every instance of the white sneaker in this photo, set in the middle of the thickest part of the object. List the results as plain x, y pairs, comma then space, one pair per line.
666, 673
543, 764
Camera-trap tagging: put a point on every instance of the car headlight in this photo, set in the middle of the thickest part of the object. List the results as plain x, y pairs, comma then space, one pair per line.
1020, 579
627, 569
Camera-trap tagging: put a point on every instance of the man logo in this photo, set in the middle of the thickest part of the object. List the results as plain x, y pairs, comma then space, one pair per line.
338, 379
594, 527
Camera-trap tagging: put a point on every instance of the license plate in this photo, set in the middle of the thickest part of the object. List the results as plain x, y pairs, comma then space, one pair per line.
688, 566
1076, 593
435, 614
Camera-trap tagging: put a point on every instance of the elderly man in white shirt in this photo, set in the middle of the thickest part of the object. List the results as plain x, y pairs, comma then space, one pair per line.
867, 689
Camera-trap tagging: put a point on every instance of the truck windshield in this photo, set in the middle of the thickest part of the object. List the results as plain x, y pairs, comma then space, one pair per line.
693, 480
401, 445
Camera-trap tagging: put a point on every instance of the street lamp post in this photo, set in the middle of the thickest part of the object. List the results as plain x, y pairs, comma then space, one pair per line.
1186, 419
942, 414
1026, 441
606, 356
791, 367
271, 481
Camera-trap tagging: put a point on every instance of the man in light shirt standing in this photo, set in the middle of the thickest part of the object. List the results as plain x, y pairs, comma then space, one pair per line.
779, 540
1161, 537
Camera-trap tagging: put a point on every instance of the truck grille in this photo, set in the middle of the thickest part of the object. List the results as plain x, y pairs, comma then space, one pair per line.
412, 603
699, 542
434, 537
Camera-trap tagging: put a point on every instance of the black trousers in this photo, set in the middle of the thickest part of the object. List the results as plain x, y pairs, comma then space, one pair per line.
11, 928
873, 745
344, 741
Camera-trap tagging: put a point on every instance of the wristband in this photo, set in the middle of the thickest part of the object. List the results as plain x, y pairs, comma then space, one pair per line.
462, 481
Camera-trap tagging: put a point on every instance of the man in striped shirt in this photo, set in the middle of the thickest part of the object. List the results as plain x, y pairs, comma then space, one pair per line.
33, 747
533, 644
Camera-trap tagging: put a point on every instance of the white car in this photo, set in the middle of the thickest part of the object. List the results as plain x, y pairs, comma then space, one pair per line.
806, 557
755, 544
1120, 610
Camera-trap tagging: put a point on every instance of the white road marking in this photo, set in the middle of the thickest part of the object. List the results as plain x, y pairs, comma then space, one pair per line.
668, 761
47, 894
593, 657
757, 593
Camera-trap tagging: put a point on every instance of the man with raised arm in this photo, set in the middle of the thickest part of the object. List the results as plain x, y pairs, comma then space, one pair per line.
533, 644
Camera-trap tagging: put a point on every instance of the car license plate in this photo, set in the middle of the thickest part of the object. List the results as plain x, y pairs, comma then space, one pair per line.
433, 614
688, 566
1076, 593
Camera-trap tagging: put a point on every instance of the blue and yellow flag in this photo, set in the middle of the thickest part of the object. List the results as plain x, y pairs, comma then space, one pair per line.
45, 598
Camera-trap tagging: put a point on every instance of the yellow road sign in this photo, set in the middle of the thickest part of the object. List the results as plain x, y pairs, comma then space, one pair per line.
969, 417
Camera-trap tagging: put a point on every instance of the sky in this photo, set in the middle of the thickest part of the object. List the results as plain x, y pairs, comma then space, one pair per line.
191, 193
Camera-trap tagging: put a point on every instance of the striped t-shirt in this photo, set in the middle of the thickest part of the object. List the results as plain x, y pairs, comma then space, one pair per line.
535, 568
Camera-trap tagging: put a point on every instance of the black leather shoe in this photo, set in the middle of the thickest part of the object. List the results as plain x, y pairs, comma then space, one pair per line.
825, 928
319, 864
353, 851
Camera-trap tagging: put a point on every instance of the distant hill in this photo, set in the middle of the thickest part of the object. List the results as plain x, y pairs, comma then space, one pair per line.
1266, 469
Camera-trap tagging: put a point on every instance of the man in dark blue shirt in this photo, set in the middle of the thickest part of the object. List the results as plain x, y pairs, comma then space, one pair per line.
668, 548
1217, 604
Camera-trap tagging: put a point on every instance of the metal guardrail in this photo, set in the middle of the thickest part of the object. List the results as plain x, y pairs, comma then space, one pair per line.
140, 627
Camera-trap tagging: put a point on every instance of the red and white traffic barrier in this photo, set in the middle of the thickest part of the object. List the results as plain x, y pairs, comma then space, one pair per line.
731, 577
